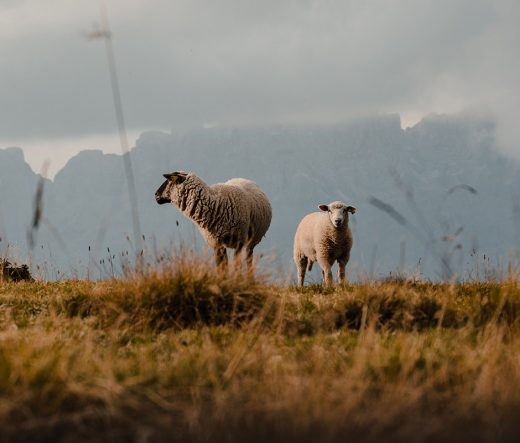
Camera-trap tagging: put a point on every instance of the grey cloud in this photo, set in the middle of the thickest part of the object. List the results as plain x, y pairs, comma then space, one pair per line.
184, 63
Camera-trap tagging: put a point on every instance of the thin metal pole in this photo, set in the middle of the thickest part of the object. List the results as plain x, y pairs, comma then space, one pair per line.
106, 34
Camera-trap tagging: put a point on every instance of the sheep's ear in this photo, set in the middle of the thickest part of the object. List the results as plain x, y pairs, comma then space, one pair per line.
323, 207
176, 177
351, 209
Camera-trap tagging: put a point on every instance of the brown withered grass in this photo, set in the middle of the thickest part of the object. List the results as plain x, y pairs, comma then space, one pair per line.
184, 353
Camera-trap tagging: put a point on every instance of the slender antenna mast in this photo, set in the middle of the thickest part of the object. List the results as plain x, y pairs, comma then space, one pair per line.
106, 35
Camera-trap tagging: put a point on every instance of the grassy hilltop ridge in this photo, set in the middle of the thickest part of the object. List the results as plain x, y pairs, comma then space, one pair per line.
183, 353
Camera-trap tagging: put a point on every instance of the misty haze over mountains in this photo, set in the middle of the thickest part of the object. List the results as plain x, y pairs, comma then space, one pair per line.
439, 227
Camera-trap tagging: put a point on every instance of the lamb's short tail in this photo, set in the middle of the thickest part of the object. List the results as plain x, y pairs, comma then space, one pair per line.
309, 265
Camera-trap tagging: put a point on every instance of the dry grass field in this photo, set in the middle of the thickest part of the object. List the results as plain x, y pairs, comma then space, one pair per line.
183, 353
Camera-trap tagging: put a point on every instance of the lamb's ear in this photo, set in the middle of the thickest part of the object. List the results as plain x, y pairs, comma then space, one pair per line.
176, 177
351, 209
323, 207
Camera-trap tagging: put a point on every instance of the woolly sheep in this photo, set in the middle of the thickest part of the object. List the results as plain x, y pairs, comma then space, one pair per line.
324, 237
235, 214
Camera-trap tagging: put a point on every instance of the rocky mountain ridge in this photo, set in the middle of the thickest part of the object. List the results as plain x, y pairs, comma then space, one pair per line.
417, 173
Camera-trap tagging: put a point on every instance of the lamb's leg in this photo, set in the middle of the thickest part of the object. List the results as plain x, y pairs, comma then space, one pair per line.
342, 263
221, 257
341, 271
327, 271
301, 265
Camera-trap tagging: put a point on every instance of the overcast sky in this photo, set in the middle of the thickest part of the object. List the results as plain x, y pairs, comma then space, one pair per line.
184, 64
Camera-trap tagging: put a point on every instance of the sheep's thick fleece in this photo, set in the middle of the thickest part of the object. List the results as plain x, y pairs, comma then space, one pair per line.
234, 214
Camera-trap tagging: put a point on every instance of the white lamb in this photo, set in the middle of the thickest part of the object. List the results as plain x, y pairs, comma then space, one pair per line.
235, 214
324, 237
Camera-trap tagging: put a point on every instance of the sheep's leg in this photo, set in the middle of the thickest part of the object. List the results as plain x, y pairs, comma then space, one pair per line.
237, 259
249, 261
221, 257
301, 264
326, 270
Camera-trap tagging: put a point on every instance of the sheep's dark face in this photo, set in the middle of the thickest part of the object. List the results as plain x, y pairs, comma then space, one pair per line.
171, 189
338, 213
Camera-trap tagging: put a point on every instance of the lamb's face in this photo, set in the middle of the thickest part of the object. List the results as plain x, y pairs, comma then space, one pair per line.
338, 213
171, 190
